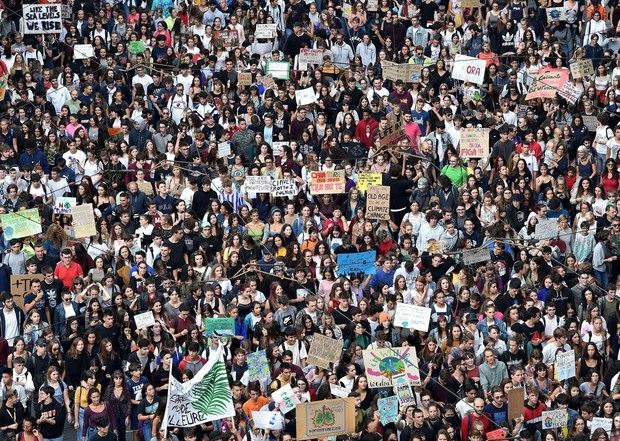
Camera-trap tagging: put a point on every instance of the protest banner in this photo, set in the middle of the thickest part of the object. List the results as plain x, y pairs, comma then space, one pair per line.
279, 69
570, 92
268, 420
404, 72
364, 179
474, 143
581, 68
412, 317
552, 419
144, 320
219, 327
206, 397
590, 121
381, 364
266, 30
63, 205
83, 51
565, 365
244, 78
468, 69
378, 202
42, 18
258, 365
284, 188
354, 263
285, 397
546, 229
556, 14
22, 223
324, 350
258, 184
599, 422
515, 402
320, 419
223, 149
20, 285
83, 221
477, 255
311, 56
228, 38
327, 182
403, 390
278, 146
388, 409
547, 83
305, 97
136, 47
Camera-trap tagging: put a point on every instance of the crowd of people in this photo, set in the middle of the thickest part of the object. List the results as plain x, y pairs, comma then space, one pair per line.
515, 254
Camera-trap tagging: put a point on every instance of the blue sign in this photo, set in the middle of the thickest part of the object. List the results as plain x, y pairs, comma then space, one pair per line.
363, 262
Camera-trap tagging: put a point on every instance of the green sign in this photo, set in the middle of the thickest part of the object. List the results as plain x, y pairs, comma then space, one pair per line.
136, 47
21, 224
279, 69
219, 327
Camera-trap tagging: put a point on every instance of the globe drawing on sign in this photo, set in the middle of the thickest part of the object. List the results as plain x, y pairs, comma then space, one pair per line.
323, 417
393, 364
388, 366
554, 14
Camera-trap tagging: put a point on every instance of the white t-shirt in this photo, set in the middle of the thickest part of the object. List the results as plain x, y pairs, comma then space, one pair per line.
11, 330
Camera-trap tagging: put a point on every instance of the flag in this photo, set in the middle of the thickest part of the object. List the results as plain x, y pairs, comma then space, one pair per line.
204, 398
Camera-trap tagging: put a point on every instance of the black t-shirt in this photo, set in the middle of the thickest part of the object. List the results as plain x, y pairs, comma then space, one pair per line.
526, 331
51, 293
342, 317
177, 252
209, 245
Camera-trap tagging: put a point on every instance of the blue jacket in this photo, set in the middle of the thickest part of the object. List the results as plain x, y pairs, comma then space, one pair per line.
483, 327
38, 157
59, 317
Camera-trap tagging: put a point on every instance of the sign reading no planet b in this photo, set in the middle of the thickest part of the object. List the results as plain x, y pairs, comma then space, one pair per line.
42, 19
352, 263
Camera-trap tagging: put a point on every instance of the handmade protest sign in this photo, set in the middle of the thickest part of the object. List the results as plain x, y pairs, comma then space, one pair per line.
223, 149
339, 391
324, 350
565, 365
590, 121
244, 78
279, 69
22, 223
404, 72
474, 143
311, 56
354, 263
42, 18
547, 83
546, 229
412, 317
258, 184
392, 137
403, 390
83, 221
599, 422
497, 435
228, 38
286, 398
278, 146
219, 327
552, 419
378, 202
470, 3
570, 92
388, 409
319, 419
144, 320
477, 255
20, 285
306, 96
258, 365
381, 364
556, 14
372, 5
83, 51
284, 188
266, 30
364, 179
468, 69
327, 182
515, 402
581, 68
136, 47
63, 205
269, 420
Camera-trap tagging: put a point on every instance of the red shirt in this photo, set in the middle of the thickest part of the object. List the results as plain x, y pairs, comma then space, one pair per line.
68, 274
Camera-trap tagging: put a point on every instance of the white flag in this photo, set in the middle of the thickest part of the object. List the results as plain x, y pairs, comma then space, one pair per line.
204, 398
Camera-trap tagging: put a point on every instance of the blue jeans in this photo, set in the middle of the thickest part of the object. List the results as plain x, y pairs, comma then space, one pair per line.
147, 428
602, 278
78, 435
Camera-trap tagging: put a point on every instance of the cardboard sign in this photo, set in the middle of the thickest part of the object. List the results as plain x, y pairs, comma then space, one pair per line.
258, 366
515, 403
364, 179
407, 73
311, 56
228, 38
268, 420
266, 30
470, 3
244, 78
285, 397
64, 205
546, 229
570, 92
136, 47
83, 221
42, 18
279, 69
327, 182
324, 350
412, 317
590, 121
474, 143
83, 51
319, 419
258, 184
552, 419
355, 263
284, 188
382, 364
388, 409
219, 327
22, 223
144, 320
468, 69
472, 257
378, 202
565, 365
392, 137
305, 97
20, 285
556, 14
581, 68
223, 149
547, 83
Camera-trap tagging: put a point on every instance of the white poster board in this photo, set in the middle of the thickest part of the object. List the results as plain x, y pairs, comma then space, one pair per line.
144, 320
468, 69
306, 96
42, 18
412, 317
